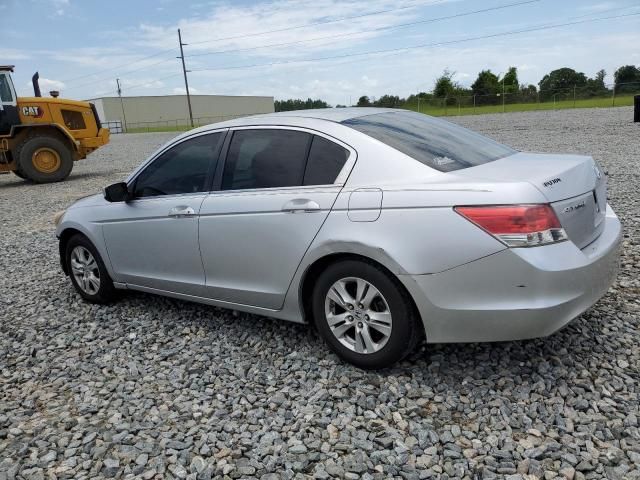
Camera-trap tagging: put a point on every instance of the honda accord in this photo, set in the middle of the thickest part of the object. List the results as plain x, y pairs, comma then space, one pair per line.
379, 227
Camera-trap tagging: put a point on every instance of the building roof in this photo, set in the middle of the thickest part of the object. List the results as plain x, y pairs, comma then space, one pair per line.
5, 68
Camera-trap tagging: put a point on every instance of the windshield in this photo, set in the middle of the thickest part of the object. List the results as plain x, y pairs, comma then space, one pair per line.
436, 143
5, 89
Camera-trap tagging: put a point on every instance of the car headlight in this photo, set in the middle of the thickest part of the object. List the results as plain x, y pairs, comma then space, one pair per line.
58, 216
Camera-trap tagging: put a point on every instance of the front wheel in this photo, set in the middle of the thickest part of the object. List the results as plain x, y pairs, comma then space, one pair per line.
364, 314
44, 159
86, 269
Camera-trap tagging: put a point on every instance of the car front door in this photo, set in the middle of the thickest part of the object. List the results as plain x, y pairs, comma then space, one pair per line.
276, 189
152, 239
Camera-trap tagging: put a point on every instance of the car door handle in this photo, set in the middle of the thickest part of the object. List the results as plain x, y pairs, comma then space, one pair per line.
301, 205
182, 211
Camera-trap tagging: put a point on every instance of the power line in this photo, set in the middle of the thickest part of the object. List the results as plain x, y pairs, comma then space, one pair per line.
136, 85
617, 9
430, 3
111, 69
431, 20
412, 47
322, 22
122, 74
389, 27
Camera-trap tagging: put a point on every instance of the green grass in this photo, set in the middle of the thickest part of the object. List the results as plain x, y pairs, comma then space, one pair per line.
621, 101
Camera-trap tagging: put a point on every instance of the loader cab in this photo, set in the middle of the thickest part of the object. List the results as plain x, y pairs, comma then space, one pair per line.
8, 102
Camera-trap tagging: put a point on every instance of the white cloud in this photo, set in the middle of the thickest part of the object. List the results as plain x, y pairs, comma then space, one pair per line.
60, 6
369, 82
10, 54
47, 85
598, 7
183, 91
587, 48
225, 26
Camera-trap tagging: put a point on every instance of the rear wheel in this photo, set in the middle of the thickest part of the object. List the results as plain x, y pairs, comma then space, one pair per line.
18, 174
364, 314
87, 272
44, 159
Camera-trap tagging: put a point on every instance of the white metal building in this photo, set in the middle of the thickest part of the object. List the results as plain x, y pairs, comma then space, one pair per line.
172, 110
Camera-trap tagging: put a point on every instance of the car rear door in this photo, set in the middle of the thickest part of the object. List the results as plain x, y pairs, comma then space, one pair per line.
275, 190
152, 239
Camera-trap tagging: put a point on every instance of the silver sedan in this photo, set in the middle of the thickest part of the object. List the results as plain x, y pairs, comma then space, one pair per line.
379, 227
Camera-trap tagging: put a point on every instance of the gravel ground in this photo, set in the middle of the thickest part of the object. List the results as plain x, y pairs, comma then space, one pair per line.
158, 388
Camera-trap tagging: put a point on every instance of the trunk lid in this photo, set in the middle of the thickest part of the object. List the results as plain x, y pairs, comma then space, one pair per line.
574, 185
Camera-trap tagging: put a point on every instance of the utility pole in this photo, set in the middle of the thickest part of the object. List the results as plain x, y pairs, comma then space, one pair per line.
184, 71
124, 118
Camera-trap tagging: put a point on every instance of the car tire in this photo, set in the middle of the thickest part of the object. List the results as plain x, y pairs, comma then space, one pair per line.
18, 174
87, 271
376, 333
44, 159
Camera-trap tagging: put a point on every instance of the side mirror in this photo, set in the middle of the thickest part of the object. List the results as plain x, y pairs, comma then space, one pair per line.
118, 192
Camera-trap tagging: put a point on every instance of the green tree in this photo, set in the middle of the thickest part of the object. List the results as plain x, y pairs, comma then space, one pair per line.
510, 80
298, 104
445, 86
595, 85
364, 101
486, 87
561, 80
389, 101
627, 79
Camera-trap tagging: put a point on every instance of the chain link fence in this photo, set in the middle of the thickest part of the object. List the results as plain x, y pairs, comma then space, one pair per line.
178, 124
522, 100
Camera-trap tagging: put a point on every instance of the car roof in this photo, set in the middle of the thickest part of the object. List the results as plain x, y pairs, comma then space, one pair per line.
296, 117
332, 114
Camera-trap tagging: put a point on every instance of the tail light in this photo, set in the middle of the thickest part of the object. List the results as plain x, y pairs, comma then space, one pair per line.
517, 225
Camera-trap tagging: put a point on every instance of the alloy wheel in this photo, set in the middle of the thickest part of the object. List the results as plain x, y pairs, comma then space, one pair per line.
358, 315
85, 270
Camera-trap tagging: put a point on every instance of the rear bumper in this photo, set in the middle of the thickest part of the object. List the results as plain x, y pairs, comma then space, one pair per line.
517, 293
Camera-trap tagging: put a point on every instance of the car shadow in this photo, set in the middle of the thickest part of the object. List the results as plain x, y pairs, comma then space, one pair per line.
453, 365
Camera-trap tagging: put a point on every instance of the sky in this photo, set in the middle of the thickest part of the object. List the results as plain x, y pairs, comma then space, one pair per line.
329, 49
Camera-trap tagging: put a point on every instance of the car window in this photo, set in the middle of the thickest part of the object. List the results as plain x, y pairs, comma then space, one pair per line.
437, 143
265, 158
182, 169
5, 89
326, 160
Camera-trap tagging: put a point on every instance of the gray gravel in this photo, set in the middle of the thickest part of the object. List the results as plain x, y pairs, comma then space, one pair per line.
157, 388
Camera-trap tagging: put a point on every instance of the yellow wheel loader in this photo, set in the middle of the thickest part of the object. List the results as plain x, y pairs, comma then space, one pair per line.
40, 138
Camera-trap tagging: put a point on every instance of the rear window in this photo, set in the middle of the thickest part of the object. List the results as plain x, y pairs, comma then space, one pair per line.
436, 143
325, 162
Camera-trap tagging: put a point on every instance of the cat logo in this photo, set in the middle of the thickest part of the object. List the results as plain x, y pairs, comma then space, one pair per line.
36, 112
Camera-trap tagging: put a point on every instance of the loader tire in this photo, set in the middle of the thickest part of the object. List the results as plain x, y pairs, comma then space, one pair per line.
44, 159
18, 174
